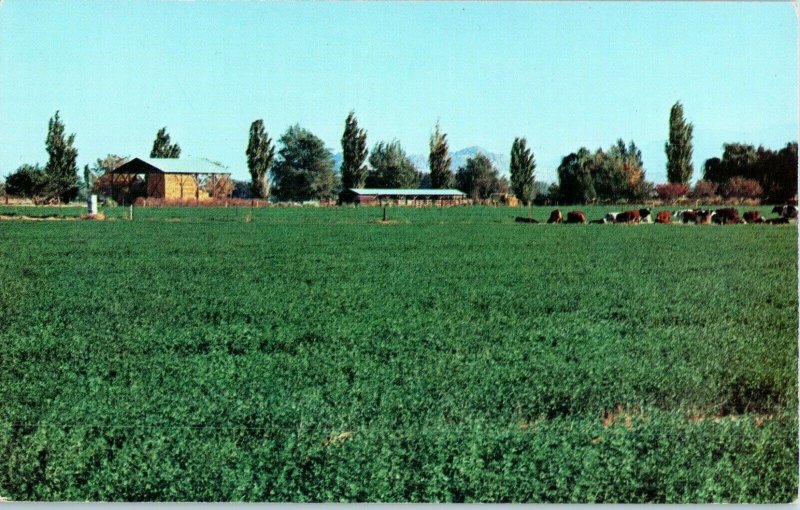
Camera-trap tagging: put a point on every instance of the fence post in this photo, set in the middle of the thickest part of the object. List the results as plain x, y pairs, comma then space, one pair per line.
131, 212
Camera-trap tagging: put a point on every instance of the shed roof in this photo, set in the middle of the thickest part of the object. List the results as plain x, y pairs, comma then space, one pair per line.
169, 166
408, 192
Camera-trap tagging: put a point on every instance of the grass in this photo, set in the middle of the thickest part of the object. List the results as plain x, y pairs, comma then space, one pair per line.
315, 355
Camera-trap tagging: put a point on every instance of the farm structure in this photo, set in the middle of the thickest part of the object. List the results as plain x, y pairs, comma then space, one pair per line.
368, 196
168, 179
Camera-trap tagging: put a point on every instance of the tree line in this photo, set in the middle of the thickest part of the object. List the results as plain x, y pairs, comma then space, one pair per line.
304, 167
617, 174
300, 168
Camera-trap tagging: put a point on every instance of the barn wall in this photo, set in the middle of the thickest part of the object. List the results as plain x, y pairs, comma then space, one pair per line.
155, 185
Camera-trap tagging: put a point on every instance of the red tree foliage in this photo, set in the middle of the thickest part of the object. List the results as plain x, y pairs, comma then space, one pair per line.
740, 188
671, 191
703, 189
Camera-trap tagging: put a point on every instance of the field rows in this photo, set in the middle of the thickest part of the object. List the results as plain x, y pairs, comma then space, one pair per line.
310, 354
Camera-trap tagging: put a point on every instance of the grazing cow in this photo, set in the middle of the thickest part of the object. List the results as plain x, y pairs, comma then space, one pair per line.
555, 217
777, 221
704, 217
611, 217
644, 216
726, 216
628, 217
576, 217
685, 215
689, 216
786, 211
663, 217
753, 217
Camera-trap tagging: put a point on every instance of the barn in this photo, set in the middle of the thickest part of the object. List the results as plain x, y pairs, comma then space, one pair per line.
367, 196
168, 179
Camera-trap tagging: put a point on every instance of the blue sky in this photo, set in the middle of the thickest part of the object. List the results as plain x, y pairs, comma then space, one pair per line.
564, 75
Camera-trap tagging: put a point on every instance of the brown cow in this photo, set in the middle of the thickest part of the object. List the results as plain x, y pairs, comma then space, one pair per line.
786, 211
628, 217
576, 217
663, 217
777, 221
686, 215
555, 217
726, 216
753, 217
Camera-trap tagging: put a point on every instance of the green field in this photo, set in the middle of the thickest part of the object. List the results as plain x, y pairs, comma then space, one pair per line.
307, 354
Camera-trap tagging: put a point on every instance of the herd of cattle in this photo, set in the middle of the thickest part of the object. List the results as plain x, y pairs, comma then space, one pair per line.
723, 216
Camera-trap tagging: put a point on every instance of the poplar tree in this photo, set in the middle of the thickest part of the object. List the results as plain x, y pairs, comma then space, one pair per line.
162, 148
260, 155
522, 168
61, 170
679, 147
354, 154
439, 161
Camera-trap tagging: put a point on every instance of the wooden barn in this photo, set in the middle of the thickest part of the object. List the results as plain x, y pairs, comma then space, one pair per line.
167, 179
369, 196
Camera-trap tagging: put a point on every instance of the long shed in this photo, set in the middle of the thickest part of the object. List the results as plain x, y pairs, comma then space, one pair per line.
377, 195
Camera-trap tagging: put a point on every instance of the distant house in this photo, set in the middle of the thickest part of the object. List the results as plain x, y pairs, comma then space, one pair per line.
168, 179
376, 195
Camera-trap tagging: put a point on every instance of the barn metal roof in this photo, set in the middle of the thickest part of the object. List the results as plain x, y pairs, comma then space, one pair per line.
169, 166
408, 192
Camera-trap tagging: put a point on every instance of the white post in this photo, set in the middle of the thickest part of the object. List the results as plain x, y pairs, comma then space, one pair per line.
131, 216
92, 204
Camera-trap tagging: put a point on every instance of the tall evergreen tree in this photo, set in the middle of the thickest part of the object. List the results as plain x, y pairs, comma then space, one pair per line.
260, 155
439, 160
522, 168
354, 153
679, 147
162, 148
61, 170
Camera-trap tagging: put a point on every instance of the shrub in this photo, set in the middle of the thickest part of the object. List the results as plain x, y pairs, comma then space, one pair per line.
27, 181
643, 190
704, 189
671, 192
739, 188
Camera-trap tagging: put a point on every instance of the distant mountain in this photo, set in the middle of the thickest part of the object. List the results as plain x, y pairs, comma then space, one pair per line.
500, 161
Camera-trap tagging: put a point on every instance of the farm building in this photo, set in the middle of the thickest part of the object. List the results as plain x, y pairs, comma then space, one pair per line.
168, 179
368, 196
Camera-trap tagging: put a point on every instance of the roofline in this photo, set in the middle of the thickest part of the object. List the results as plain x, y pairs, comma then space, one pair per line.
157, 170
406, 192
